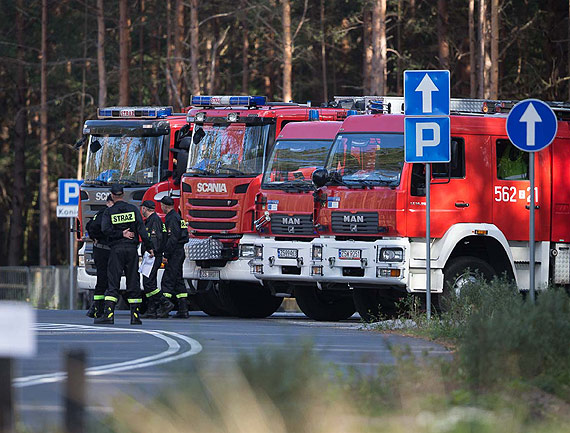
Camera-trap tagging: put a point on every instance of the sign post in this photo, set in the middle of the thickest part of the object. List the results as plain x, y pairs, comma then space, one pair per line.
531, 126
68, 207
427, 135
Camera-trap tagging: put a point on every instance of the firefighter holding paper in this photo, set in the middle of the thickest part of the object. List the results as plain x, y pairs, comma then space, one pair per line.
177, 237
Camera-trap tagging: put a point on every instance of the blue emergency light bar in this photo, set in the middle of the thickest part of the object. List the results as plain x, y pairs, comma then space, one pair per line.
313, 115
228, 101
133, 112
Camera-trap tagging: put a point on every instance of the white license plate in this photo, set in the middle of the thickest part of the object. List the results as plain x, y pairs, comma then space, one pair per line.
349, 254
287, 253
209, 274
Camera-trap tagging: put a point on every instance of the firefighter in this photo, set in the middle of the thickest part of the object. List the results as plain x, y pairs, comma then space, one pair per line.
123, 224
158, 305
177, 237
101, 252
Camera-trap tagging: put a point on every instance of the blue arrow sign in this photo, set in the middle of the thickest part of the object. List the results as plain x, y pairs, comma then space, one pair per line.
426, 93
427, 139
531, 125
68, 192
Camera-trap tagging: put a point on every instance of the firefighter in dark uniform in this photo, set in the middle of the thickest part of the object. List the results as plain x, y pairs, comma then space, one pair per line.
123, 224
158, 305
101, 252
177, 237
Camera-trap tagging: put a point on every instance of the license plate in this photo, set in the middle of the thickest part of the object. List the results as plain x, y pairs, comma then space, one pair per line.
349, 254
209, 274
287, 253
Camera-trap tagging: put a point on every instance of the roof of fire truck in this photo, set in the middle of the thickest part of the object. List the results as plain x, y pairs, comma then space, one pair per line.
310, 131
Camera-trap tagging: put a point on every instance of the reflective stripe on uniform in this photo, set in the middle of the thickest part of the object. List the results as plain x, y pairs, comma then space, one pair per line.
183, 224
167, 295
134, 301
119, 218
111, 298
182, 295
154, 292
98, 297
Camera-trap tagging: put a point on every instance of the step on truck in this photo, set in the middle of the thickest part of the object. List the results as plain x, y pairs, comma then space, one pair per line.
136, 147
372, 208
232, 138
286, 224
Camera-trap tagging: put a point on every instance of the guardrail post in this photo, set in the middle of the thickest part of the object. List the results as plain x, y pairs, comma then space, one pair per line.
75, 392
6, 399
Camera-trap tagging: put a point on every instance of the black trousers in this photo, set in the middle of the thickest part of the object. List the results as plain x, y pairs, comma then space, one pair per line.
150, 285
101, 257
172, 281
124, 258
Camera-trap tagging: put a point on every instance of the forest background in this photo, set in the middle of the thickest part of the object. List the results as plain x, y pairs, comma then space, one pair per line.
61, 59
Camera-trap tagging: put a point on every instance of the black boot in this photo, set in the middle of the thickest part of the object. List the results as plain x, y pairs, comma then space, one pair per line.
96, 309
108, 315
151, 308
182, 309
164, 307
135, 315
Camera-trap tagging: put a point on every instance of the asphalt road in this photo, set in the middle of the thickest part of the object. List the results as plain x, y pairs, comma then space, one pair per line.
139, 360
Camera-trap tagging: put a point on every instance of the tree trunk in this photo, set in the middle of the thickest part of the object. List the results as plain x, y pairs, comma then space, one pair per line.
472, 49
379, 47
399, 72
383, 50
494, 81
443, 43
481, 51
142, 30
194, 54
101, 54
245, 61
287, 51
44, 241
16, 234
178, 51
368, 51
324, 53
155, 52
124, 28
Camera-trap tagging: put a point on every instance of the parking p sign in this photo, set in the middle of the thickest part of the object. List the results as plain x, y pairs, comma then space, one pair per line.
68, 197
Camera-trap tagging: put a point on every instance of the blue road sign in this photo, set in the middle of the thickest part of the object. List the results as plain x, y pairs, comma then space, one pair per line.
426, 93
68, 192
427, 139
531, 125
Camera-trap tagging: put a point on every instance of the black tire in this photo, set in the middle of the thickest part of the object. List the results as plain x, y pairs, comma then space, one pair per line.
209, 301
372, 304
458, 271
326, 305
248, 300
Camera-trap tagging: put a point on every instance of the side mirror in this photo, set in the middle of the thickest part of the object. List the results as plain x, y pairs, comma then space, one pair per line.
198, 135
80, 143
166, 175
320, 177
95, 146
185, 143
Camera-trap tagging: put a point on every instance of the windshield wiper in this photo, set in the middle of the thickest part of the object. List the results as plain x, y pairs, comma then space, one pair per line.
201, 170
96, 182
126, 181
295, 185
231, 170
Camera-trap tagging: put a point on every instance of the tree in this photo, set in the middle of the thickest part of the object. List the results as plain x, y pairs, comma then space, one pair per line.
194, 54
323, 51
178, 52
442, 24
124, 41
287, 51
494, 78
379, 69
101, 54
472, 48
44, 241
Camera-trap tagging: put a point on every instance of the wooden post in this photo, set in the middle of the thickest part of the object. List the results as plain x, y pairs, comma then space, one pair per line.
75, 392
6, 399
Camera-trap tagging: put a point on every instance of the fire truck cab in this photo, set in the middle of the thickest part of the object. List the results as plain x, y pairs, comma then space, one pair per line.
232, 137
131, 146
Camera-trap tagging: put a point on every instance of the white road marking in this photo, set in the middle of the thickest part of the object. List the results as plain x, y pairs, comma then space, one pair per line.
172, 353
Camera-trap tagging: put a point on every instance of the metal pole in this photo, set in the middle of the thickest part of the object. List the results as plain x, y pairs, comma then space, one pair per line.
531, 228
74, 398
6, 400
428, 255
71, 260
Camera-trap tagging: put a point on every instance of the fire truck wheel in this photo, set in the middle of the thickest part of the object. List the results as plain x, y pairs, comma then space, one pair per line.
209, 301
372, 304
460, 271
325, 305
249, 300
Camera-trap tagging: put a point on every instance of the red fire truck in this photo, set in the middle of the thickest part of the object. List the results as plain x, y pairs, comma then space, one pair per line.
285, 209
231, 140
370, 210
135, 147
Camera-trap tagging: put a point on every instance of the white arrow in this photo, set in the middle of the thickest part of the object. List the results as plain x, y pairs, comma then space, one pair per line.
426, 86
530, 117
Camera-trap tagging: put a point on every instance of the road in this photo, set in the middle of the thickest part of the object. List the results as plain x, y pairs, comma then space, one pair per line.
138, 360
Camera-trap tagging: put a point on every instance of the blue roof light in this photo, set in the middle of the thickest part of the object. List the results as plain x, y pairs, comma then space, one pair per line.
228, 101
351, 113
376, 107
134, 112
313, 115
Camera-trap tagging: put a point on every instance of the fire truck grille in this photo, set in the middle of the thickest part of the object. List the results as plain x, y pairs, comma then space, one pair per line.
360, 222
212, 213
211, 225
212, 202
283, 224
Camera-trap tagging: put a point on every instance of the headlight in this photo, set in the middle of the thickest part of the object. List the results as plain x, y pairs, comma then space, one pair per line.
317, 252
391, 255
246, 251
81, 261
258, 251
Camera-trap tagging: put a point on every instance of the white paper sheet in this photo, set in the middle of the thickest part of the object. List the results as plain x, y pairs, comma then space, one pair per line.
147, 263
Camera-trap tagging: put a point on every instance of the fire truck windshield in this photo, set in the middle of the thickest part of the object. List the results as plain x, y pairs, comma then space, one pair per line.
367, 159
292, 163
123, 159
228, 150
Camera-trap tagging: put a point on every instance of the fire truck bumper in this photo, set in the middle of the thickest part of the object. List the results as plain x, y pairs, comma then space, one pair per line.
282, 261
236, 270
384, 262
